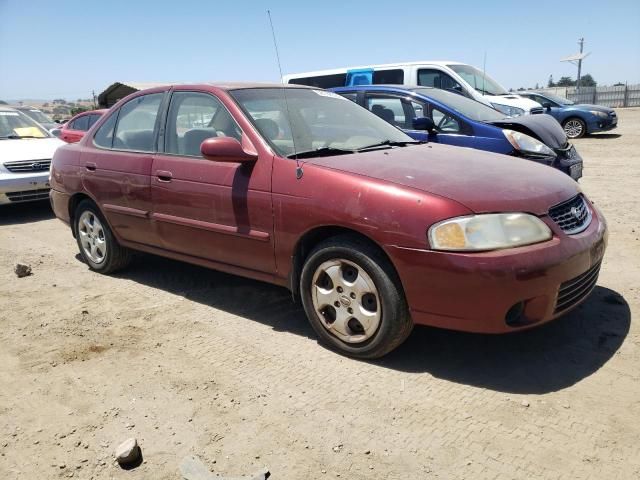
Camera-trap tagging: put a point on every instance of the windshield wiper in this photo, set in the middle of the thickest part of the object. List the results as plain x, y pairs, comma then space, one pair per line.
321, 152
390, 143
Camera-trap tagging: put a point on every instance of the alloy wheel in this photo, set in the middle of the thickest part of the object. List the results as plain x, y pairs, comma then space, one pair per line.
573, 128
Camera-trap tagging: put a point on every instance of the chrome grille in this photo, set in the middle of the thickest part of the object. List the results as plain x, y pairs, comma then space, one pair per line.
28, 195
24, 166
572, 216
573, 291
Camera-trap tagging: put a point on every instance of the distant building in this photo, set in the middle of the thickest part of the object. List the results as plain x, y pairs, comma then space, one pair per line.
117, 91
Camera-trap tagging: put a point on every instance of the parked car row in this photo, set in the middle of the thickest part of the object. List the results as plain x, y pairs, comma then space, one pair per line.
436, 115
323, 193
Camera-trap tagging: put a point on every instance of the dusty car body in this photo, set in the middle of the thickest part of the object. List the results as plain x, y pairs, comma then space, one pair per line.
302, 188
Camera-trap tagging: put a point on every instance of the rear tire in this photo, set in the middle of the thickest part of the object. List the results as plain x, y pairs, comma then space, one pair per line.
98, 246
353, 298
574, 127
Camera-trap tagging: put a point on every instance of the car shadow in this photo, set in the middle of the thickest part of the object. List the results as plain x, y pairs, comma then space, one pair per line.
27, 212
604, 135
541, 360
258, 301
545, 359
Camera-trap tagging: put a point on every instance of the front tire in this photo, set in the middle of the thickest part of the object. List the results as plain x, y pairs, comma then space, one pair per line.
574, 128
353, 298
98, 246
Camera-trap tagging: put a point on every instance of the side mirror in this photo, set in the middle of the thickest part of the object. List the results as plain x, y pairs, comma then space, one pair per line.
424, 123
226, 149
547, 106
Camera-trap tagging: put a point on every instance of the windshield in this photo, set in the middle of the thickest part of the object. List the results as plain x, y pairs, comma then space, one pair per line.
557, 99
478, 80
464, 106
320, 120
15, 124
37, 115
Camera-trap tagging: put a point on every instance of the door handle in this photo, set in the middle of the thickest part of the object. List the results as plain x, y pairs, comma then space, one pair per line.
90, 166
164, 176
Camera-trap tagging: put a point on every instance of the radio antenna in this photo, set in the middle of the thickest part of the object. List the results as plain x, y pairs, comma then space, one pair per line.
299, 171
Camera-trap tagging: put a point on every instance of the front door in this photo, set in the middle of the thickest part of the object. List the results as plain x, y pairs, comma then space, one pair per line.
206, 209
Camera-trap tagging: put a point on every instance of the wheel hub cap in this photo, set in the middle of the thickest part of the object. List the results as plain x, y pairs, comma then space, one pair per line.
92, 238
346, 300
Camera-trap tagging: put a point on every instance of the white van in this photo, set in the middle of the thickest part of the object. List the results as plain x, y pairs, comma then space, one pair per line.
453, 76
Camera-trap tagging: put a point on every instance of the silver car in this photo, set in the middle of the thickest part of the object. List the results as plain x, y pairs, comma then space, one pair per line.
26, 149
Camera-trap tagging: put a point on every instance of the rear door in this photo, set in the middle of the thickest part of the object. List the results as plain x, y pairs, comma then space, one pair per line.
212, 210
117, 173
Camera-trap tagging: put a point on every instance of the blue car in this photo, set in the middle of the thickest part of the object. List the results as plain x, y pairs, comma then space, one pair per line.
436, 115
577, 120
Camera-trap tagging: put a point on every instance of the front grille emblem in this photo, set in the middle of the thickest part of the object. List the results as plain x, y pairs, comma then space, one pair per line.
575, 212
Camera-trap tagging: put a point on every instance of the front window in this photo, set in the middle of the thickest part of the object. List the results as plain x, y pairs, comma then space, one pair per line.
16, 125
319, 120
479, 80
193, 117
465, 106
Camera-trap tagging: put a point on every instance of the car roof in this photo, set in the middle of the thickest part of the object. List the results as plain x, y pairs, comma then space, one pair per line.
442, 63
385, 86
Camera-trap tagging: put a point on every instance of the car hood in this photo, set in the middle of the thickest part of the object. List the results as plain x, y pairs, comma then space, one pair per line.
513, 101
12, 150
597, 108
481, 181
543, 127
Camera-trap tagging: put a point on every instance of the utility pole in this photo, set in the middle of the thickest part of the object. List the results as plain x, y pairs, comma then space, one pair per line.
581, 43
576, 59
93, 92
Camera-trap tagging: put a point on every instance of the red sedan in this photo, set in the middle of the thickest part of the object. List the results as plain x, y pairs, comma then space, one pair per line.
373, 231
74, 129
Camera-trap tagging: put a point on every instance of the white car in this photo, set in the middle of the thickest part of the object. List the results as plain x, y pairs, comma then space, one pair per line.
453, 76
26, 149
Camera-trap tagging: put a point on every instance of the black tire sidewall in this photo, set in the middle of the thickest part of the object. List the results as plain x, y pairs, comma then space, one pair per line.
389, 293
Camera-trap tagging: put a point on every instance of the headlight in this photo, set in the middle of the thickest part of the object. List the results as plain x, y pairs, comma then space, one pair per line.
490, 231
507, 110
599, 114
527, 144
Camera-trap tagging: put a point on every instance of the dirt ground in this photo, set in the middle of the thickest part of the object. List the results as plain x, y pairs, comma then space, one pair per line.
192, 361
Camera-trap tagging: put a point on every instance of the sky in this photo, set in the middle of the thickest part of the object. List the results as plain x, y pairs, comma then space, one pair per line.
67, 48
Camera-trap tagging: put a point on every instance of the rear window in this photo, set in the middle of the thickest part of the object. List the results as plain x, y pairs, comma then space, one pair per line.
322, 81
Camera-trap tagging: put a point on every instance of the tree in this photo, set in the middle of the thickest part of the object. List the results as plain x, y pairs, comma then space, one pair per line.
587, 81
77, 110
551, 83
566, 82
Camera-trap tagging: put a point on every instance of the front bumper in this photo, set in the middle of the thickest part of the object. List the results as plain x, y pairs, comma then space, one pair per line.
602, 124
481, 292
17, 187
